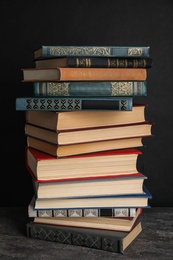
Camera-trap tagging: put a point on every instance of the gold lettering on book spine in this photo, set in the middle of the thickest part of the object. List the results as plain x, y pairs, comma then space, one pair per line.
86, 51
83, 63
135, 51
58, 89
122, 89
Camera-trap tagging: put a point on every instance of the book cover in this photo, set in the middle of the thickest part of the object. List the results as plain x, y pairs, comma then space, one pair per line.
116, 201
89, 135
59, 151
93, 62
112, 241
91, 88
83, 74
102, 212
95, 51
99, 164
71, 120
119, 185
74, 103
104, 223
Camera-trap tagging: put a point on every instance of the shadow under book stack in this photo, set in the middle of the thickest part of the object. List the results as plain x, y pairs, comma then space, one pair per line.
83, 132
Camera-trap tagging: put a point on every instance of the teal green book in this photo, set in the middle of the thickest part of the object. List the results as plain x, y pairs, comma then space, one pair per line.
91, 88
95, 51
74, 103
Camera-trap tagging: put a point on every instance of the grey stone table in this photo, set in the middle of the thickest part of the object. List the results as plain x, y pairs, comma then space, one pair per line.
155, 241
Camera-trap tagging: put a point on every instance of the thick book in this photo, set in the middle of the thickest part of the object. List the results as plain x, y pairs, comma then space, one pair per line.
115, 201
93, 165
102, 212
83, 148
90, 88
83, 74
95, 51
88, 135
106, 240
74, 103
108, 186
93, 62
58, 121
104, 223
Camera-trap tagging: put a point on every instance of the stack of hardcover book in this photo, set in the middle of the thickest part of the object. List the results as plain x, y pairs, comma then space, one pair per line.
83, 132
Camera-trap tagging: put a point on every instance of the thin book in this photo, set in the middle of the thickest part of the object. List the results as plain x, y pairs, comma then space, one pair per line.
60, 151
74, 103
118, 201
104, 223
93, 62
88, 135
94, 212
94, 51
83, 74
90, 88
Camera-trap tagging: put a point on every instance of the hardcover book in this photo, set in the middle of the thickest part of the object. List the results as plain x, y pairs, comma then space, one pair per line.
74, 103
106, 240
94, 212
95, 51
104, 223
83, 135
115, 201
58, 121
93, 62
83, 74
100, 164
91, 88
59, 151
108, 186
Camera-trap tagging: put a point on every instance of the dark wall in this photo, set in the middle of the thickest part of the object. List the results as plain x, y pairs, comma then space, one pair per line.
25, 25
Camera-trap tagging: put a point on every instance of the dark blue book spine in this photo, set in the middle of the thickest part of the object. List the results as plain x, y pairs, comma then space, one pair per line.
104, 62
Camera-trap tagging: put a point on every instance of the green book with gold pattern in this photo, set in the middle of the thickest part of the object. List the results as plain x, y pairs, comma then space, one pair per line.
91, 88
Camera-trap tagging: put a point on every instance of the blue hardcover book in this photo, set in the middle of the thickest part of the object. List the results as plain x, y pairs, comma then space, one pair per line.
89, 188
74, 103
95, 51
91, 88
138, 200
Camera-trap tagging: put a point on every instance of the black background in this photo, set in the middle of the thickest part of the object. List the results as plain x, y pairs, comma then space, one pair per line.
26, 25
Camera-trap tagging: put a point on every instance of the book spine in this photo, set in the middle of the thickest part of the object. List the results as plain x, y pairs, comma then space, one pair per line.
102, 74
72, 237
100, 51
114, 212
91, 62
74, 104
106, 89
